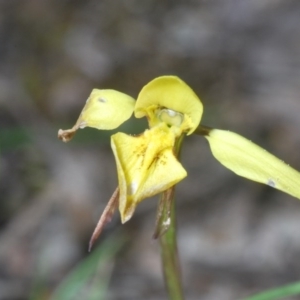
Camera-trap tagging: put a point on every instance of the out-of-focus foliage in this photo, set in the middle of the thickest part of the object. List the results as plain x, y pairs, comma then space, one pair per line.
242, 59
90, 278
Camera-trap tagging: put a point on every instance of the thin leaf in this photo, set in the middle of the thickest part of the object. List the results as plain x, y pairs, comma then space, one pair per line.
76, 283
278, 293
251, 161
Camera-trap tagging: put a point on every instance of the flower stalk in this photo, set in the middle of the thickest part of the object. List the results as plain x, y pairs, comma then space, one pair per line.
169, 252
166, 228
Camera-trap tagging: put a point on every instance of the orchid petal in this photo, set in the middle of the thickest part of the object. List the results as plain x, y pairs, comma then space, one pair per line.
171, 93
104, 109
146, 166
253, 162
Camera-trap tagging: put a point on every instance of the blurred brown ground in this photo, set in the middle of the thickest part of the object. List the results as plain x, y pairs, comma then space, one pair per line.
242, 57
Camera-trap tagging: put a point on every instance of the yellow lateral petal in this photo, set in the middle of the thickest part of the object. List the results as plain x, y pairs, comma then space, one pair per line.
251, 161
146, 166
104, 109
172, 93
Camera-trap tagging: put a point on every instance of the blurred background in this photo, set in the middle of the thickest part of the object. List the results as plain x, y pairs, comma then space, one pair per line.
236, 237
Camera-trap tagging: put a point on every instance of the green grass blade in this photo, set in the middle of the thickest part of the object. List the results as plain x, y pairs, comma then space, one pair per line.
277, 293
88, 280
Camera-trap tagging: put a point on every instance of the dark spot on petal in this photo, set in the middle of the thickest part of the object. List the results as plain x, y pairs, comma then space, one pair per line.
103, 100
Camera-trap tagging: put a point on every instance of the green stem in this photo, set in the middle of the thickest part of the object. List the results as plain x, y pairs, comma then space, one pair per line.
169, 253
168, 241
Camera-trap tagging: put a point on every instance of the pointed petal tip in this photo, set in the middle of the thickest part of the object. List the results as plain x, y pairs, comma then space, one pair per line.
66, 135
94, 237
91, 243
125, 218
128, 213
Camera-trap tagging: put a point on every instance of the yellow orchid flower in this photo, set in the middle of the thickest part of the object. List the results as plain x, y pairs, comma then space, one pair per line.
147, 165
